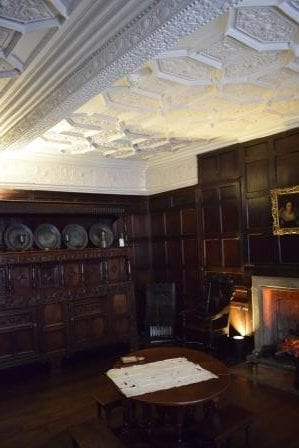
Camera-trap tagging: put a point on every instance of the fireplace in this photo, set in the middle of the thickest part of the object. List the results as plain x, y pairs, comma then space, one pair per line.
275, 309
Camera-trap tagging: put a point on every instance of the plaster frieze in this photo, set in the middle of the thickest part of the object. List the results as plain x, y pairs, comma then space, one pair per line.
148, 35
63, 174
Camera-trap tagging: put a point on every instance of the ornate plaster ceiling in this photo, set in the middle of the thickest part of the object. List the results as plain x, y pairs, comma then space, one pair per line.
127, 79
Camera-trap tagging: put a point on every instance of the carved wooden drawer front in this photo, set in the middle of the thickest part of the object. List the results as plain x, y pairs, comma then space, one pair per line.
48, 276
88, 321
20, 278
94, 272
18, 335
72, 275
116, 269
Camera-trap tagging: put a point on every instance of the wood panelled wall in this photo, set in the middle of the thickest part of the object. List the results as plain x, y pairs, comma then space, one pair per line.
175, 252
224, 224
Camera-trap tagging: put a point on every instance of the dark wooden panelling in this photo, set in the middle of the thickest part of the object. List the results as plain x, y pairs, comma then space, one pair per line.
229, 167
208, 168
211, 219
158, 224
173, 222
287, 169
212, 250
230, 217
184, 198
289, 248
159, 253
174, 253
189, 221
229, 192
263, 248
142, 256
209, 196
259, 212
190, 252
287, 143
257, 151
140, 226
257, 175
231, 252
160, 202
191, 282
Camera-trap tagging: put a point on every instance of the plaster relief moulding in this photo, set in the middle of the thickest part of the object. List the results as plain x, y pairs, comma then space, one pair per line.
60, 174
8, 40
243, 93
147, 36
93, 121
184, 70
253, 64
261, 28
6, 69
28, 15
291, 8
294, 64
172, 175
131, 98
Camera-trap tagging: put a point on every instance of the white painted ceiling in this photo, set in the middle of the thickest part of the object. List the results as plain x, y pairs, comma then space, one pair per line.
234, 78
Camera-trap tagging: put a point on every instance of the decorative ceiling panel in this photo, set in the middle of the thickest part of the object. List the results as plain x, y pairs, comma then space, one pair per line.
151, 88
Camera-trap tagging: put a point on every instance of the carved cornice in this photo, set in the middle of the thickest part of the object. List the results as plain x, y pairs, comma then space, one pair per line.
61, 255
150, 33
61, 295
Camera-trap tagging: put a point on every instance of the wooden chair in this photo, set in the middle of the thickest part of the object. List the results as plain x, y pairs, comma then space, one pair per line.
160, 313
210, 319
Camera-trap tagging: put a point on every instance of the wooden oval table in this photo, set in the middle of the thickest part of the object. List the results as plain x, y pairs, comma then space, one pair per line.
205, 392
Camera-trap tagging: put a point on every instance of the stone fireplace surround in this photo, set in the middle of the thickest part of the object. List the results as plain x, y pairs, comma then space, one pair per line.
260, 284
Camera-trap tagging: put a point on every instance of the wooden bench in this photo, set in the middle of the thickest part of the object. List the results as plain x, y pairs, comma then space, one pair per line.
94, 434
217, 430
107, 399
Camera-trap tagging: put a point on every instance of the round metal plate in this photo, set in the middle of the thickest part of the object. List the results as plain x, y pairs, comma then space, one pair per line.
47, 236
74, 236
101, 235
18, 237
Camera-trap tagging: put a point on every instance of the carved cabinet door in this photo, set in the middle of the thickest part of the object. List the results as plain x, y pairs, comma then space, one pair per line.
54, 328
88, 322
18, 336
120, 316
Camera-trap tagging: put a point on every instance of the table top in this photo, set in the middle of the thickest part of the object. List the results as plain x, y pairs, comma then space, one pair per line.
189, 394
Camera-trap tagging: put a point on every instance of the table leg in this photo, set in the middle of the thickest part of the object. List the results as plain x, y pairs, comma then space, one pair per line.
127, 408
179, 425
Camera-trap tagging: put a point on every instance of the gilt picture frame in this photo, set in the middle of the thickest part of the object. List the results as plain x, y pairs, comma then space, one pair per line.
285, 210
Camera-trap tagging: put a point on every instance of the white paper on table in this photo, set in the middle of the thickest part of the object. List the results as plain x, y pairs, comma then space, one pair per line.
160, 375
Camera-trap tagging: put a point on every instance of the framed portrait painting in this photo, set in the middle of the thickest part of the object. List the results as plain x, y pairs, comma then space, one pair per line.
285, 210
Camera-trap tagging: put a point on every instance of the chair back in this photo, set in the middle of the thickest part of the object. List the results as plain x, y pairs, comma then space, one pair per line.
160, 311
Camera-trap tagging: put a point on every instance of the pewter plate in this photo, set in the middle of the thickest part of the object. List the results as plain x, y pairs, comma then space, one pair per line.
97, 232
74, 236
47, 236
18, 237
